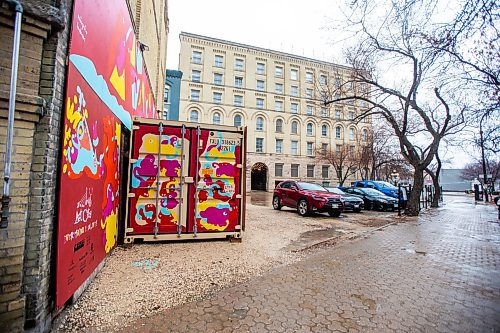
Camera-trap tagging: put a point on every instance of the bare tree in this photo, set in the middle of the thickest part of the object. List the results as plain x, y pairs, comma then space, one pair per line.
345, 159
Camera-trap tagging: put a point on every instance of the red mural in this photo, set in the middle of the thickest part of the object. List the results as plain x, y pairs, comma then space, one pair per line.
106, 85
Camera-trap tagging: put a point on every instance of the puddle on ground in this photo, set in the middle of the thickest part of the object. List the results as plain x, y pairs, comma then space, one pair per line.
312, 237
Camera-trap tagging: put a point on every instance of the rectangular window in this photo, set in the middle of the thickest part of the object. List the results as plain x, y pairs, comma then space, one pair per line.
294, 108
325, 184
309, 77
260, 103
217, 97
310, 170
322, 79
259, 145
294, 91
294, 145
238, 100
279, 146
278, 169
294, 74
324, 171
238, 81
218, 79
219, 61
278, 106
338, 82
309, 149
324, 148
309, 110
294, 170
260, 85
196, 57
338, 114
351, 115
195, 95
196, 76
261, 68
324, 112
279, 88
309, 93
338, 148
279, 71
362, 104
239, 64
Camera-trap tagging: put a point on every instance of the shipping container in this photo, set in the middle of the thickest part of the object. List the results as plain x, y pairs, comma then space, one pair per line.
186, 181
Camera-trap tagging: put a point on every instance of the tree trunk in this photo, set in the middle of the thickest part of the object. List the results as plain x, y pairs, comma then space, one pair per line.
412, 206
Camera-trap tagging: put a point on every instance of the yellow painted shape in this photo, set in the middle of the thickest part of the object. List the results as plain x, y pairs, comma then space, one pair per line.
118, 81
111, 231
132, 53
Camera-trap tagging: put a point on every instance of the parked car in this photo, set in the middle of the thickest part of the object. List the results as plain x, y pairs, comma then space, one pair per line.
352, 202
374, 199
307, 198
381, 186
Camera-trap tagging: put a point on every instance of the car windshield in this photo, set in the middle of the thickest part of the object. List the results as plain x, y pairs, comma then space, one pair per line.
386, 185
371, 191
335, 190
311, 187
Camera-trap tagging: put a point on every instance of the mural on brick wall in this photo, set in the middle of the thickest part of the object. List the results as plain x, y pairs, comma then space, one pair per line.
106, 86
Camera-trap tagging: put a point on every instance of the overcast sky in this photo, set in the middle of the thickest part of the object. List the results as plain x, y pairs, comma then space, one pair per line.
293, 26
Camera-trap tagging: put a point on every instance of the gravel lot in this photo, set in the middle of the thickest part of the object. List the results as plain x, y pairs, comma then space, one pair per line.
144, 279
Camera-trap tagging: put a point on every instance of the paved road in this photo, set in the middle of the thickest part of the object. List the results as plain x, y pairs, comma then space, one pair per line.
439, 274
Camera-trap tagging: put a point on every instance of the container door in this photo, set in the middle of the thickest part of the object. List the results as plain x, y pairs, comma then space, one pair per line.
217, 181
156, 179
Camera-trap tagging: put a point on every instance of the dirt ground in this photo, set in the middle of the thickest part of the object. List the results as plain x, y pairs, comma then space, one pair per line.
144, 279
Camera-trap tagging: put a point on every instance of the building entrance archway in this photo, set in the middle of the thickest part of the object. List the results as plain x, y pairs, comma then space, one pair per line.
259, 177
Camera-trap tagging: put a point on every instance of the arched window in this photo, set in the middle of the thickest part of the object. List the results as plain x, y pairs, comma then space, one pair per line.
324, 130
259, 124
193, 116
279, 126
309, 129
338, 132
216, 118
365, 134
295, 127
352, 134
237, 120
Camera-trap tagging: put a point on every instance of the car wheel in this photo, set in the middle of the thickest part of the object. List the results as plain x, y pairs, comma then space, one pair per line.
334, 213
276, 203
302, 208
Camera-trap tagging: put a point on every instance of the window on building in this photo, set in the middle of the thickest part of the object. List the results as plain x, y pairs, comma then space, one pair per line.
278, 88
279, 126
193, 116
279, 146
239, 64
294, 108
216, 118
195, 95
259, 103
219, 61
309, 93
238, 100
324, 130
260, 85
338, 114
309, 110
365, 134
278, 106
218, 79
196, 57
259, 124
309, 77
310, 149
195, 76
294, 74
217, 97
278, 169
294, 91
338, 148
261, 68
338, 132
259, 145
362, 103
309, 129
324, 148
237, 120
294, 171
279, 71
238, 81
337, 82
322, 79
351, 115
351, 151
352, 134
294, 147
166, 101
324, 171
324, 112
310, 170
295, 126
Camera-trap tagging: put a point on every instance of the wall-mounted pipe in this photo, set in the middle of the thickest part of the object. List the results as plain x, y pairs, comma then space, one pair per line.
18, 8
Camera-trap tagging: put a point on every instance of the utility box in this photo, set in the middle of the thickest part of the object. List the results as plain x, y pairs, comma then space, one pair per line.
186, 181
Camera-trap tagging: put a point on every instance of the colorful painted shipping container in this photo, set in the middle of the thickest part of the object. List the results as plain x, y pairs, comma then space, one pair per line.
186, 181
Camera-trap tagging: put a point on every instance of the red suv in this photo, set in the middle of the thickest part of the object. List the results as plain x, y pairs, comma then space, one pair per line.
307, 198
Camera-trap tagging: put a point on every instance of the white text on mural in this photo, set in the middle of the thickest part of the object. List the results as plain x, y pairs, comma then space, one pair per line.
83, 207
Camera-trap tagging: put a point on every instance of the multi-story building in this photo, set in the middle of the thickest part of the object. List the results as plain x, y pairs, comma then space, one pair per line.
279, 97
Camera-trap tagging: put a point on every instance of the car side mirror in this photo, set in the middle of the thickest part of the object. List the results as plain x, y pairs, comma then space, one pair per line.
294, 188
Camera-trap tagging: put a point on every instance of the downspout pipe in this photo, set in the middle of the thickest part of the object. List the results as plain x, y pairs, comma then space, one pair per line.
18, 8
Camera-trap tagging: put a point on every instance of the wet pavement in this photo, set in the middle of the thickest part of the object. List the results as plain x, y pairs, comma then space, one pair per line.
440, 273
